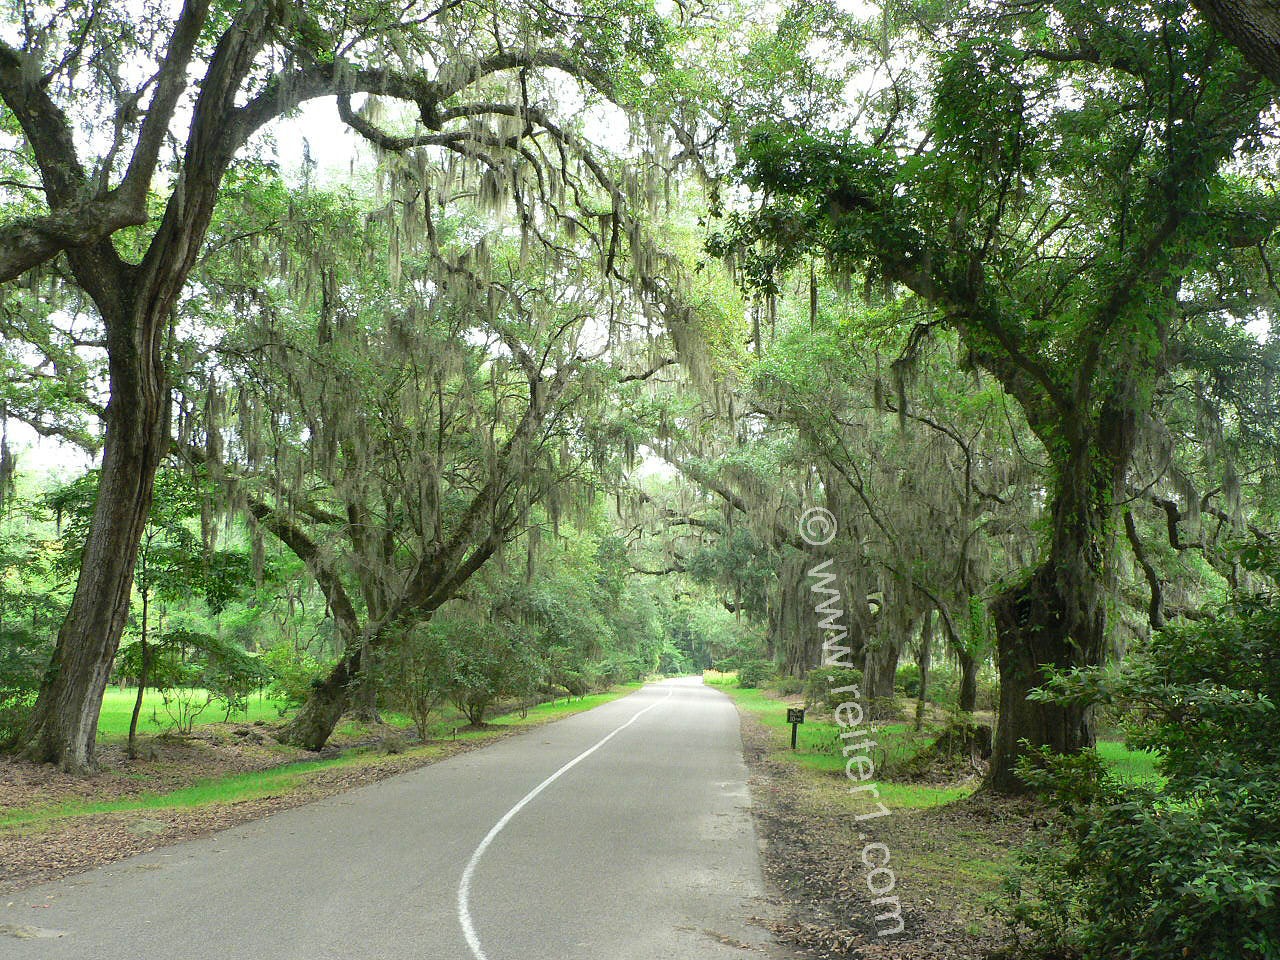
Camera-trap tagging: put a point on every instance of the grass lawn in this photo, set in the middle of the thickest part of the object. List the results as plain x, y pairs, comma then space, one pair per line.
117, 708
818, 746
1135, 766
291, 777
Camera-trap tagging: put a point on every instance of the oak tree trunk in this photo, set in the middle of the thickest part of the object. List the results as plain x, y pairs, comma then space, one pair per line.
325, 705
1056, 618
968, 698
143, 674
881, 670
924, 659
63, 728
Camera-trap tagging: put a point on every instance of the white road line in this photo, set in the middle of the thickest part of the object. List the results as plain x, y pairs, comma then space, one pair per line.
464, 886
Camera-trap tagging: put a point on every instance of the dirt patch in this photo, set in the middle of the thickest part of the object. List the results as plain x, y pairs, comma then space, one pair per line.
947, 861
58, 848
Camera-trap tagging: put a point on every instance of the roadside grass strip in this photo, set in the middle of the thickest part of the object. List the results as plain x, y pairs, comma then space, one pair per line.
293, 777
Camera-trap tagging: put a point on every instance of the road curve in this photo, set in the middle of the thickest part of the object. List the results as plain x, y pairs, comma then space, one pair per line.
622, 833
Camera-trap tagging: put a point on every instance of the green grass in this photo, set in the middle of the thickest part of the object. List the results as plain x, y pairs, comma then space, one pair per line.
1134, 766
117, 708
291, 777
818, 747
232, 789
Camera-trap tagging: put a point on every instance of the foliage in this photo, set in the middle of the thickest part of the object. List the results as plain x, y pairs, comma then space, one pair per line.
415, 675
822, 683
755, 673
1195, 869
22, 663
293, 673
907, 680
30, 607
787, 686
193, 670
479, 663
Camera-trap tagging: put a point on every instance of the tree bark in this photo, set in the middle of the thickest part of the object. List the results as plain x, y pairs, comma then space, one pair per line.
1054, 619
136, 303
143, 671
923, 661
364, 700
1253, 26
968, 698
317, 717
63, 727
881, 670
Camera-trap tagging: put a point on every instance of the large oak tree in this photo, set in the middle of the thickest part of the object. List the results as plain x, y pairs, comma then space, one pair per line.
131, 118
1057, 182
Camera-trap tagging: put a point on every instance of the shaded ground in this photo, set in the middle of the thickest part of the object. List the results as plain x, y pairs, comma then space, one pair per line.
947, 860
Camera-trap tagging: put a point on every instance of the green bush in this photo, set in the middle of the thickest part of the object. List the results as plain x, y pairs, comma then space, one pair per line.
756, 673
22, 663
787, 686
414, 677
885, 709
944, 684
822, 681
1194, 869
487, 661
293, 674
907, 680
988, 698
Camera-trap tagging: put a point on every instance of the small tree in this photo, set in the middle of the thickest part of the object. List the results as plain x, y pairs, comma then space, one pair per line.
30, 607
416, 675
488, 662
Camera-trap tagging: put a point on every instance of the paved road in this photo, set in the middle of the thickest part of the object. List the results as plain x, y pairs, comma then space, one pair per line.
618, 834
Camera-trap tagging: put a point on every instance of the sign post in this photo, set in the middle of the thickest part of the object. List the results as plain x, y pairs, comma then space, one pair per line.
795, 717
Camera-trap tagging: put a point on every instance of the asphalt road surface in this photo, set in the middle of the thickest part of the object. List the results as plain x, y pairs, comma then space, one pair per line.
622, 833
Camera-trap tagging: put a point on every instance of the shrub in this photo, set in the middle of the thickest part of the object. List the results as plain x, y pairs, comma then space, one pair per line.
944, 687
885, 709
821, 682
22, 663
293, 674
787, 686
1191, 870
415, 677
755, 673
944, 684
988, 698
488, 662
230, 673
907, 680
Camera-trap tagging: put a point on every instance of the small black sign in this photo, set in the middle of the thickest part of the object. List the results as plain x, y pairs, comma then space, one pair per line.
795, 714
